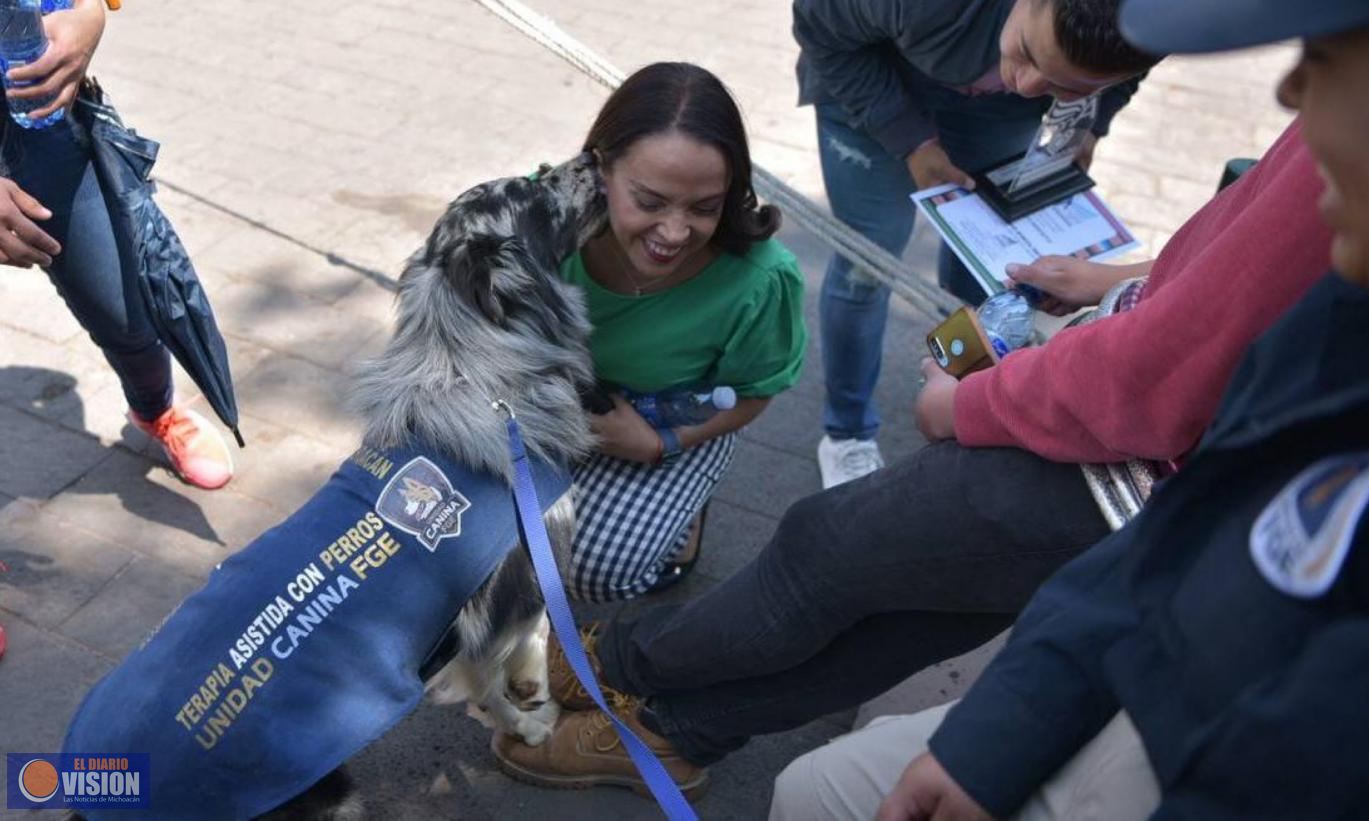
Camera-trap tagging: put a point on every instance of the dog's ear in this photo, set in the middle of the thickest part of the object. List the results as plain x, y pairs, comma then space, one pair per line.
471, 268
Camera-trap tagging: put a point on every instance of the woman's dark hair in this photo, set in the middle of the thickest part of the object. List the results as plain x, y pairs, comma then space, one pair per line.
681, 97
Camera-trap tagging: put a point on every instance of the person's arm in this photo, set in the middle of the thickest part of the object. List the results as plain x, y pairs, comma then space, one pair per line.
747, 409
624, 434
848, 44
72, 35
1068, 283
1044, 696
1302, 736
1145, 383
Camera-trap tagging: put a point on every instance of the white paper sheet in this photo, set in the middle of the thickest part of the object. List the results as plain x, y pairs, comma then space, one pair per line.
1081, 226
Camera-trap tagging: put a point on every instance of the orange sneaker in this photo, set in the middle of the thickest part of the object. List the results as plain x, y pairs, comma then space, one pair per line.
195, 449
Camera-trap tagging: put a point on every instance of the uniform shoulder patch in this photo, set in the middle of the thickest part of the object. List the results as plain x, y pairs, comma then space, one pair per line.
420, 500
1301, 539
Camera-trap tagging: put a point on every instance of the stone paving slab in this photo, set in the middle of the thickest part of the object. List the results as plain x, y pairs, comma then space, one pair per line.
56, 674
43, 458
52, 568
129, 607
43, 316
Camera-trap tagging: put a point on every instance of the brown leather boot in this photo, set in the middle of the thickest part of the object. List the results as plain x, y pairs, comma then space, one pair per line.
584, 751
561, 680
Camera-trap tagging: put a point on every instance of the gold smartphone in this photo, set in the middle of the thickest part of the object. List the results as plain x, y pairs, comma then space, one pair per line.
960, 346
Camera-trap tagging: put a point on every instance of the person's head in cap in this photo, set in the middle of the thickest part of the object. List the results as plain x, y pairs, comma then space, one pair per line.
1329, 86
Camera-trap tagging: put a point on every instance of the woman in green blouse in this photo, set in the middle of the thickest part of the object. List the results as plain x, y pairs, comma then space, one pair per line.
685, 288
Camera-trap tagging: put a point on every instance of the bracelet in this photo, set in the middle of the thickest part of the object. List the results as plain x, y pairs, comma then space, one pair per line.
670, 445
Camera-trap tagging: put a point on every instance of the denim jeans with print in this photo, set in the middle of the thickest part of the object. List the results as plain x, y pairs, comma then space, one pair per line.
869, 190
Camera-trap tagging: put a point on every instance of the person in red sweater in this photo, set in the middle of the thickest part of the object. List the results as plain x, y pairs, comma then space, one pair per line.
869, 582
1145, 383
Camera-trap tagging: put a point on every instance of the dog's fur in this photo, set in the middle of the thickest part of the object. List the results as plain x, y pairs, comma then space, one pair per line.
483, 316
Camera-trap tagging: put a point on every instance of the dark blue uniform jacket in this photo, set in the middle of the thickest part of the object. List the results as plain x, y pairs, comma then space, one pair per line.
306, 644
1230, 619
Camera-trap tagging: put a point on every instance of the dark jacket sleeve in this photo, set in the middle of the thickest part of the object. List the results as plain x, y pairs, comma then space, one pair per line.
850, 46
1114, 100
1044, 696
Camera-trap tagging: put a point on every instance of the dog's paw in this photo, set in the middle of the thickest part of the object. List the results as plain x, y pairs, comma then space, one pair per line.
535, 727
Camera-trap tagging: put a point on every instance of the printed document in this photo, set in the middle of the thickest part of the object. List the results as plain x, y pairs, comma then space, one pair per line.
1080, 226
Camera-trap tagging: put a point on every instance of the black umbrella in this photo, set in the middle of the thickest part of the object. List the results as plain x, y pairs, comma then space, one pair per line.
150, 250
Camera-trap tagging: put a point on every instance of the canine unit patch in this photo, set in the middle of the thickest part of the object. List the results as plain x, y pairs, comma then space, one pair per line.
421, 502
305, 645
1300, 541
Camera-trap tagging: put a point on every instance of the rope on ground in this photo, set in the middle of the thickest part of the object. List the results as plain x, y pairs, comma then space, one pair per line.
865, 255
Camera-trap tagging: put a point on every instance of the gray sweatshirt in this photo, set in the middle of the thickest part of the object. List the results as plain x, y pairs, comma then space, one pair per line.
872, 56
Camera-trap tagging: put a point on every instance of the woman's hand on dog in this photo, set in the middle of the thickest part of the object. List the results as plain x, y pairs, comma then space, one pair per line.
624, 434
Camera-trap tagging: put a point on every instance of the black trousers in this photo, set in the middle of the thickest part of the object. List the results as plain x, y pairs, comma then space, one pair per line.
860, 587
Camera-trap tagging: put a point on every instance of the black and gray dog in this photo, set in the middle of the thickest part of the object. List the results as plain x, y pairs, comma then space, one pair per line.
401, 575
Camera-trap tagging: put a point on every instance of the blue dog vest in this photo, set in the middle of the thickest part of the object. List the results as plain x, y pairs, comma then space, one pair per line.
306, 645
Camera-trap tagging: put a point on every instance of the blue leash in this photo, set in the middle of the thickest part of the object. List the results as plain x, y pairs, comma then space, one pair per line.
662, 786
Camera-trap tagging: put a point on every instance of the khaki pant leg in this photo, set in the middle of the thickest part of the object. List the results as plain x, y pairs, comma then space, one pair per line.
1109, 780
849, 776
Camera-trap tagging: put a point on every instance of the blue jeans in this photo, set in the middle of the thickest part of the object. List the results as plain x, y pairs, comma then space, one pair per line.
868, 189
54, 165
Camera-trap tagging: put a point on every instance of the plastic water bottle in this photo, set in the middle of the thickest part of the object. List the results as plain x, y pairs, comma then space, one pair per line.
1007, 319
676, 408
21, 42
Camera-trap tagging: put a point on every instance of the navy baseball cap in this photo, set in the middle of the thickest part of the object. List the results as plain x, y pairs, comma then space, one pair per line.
1194, 26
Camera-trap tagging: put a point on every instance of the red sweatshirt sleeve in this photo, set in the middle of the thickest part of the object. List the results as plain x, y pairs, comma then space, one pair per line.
1145, 383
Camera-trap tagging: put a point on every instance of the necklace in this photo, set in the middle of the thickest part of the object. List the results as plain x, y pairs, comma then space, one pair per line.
625, 265
637, 288
615, 258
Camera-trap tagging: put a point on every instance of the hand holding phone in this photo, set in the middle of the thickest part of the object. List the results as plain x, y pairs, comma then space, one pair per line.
960, 346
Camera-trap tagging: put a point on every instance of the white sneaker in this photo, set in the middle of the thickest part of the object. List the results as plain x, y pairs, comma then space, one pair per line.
842, 460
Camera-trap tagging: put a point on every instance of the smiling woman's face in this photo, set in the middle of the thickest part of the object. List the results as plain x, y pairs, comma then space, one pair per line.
1330, 87
665, 198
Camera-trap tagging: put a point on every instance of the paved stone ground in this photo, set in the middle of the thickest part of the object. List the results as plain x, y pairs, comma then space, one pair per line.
307, 148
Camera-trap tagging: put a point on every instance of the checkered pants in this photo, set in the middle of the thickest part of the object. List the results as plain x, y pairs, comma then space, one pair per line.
632, 518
